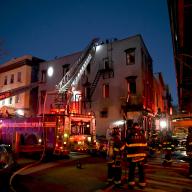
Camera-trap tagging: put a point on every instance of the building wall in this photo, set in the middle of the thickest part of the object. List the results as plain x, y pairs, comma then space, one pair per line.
114, 51
48, 84
23, 99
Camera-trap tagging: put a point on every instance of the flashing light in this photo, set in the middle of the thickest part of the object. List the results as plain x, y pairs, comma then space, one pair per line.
65, 135
118, 123
64, 142
89, 139
98, 48
163, 124
50, 71
79, 142
40, 140
20, 112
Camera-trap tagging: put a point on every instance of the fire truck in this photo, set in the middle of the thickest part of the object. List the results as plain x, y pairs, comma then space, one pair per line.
62, 130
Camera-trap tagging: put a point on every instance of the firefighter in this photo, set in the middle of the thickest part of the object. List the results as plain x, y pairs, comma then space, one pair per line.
136, 149
168, 148
189, 150
114, 165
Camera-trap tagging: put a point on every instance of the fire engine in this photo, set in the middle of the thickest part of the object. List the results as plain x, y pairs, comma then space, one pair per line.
63, 129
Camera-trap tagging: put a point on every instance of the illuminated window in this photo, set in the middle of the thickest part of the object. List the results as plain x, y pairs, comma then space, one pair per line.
5, 80
19, 77
130, 56
105, 90
12, 78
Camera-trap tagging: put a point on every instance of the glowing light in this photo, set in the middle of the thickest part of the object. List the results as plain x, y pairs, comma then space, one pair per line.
163, 124
40, 140
98, 48
50, 71
118, 123
20, 112
89, 139
65, 135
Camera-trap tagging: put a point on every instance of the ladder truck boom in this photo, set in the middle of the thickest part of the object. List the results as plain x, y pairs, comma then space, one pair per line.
72, 77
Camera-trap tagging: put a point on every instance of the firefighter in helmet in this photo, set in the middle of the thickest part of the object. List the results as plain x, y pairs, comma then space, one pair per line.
136, 150
114, 166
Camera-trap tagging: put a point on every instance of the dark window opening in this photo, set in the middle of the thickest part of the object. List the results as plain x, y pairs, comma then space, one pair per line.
19, 77
106, 63
88, 68
131, 80
5, 80
130, 56
43, 76
12, 78
65, 68
104, 113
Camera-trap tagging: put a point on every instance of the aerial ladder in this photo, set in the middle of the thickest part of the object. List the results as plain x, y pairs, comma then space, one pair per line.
67, 87
70, 81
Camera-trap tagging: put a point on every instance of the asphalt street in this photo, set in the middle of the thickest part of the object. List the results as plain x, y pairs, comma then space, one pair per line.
64, 176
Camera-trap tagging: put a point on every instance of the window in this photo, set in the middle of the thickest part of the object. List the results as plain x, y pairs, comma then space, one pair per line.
65, 68
88, 68
10, 100
43, 76
105, 90
5, 80
131, 80
17, 98
104, 113
12, 78
130, 56
19, 77
106, 63
3, 102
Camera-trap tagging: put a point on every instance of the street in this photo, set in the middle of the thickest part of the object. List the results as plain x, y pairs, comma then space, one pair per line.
63, 175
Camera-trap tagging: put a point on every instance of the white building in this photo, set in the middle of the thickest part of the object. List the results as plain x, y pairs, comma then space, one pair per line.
116, 86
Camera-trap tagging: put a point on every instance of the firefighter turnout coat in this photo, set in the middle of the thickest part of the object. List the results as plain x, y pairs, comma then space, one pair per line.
135, 145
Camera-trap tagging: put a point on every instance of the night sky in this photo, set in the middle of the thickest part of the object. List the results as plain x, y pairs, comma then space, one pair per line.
50, 28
